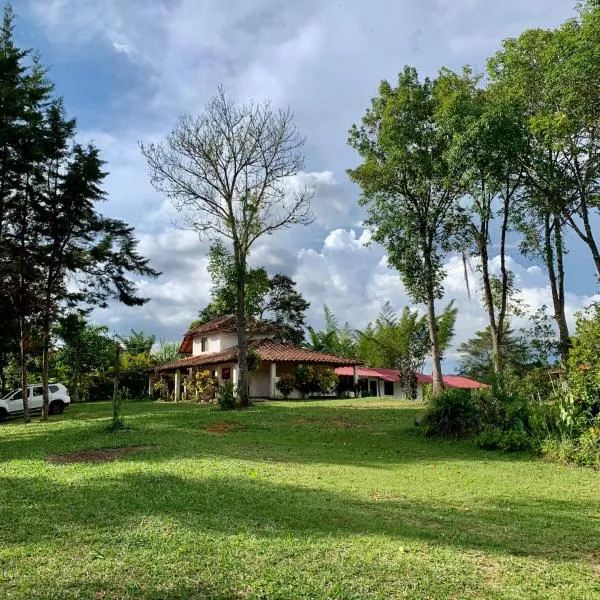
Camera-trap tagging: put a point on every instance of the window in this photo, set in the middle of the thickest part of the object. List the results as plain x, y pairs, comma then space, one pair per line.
37, 391
226, 373
388, 388
17, 396
203, 344
53, 389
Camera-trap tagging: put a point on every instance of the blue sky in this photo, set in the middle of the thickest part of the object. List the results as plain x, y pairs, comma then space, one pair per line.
127, 69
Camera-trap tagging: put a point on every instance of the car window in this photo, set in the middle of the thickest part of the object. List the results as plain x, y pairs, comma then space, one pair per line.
37, 391
17, 396
53, 388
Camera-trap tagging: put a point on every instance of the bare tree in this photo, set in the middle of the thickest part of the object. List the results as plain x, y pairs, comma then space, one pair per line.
227, 173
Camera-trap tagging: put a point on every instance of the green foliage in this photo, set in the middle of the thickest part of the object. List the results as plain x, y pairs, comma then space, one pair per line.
315, 380
85, 357
584, 361
286, 384
582, 450
167, 352
452, 413
204, 387
134, 370
541, 336
272, 299
495, 438
137, 342
477, 355
226, 396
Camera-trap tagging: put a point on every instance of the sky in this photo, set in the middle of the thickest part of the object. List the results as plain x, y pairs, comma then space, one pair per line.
126, 71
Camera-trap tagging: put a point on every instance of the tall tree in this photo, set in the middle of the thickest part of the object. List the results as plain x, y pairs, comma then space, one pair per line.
521, 73
409, 190
24, 92
488, 147
285, 307
50, 188
227, 173
572, 120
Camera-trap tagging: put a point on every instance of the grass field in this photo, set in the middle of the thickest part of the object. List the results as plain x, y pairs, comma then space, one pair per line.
332, 499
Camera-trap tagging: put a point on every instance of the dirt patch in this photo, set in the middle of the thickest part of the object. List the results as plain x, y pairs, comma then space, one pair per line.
342, 423
301, 421
100, 455
222, 427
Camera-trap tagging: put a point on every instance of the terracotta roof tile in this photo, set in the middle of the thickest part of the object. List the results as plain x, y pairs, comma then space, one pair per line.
268, 350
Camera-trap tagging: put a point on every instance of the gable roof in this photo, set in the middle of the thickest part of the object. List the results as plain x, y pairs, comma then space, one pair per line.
224, 324
268, 350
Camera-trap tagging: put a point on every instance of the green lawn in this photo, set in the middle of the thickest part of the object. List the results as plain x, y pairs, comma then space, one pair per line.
333, 499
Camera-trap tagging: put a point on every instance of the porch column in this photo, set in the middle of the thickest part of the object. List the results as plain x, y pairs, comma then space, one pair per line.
273, 376
234, 375
178, 385
355, 377
150, 385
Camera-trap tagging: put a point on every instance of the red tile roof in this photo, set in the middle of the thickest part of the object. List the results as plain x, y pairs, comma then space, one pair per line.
464, 383
226, 324
451, 381
268, 350
385, 374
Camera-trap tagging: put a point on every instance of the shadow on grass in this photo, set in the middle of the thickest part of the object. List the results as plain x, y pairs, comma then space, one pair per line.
286, 433
556, 530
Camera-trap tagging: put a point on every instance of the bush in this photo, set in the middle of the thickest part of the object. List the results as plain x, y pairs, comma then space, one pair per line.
315, 380
226, 396
202, 388
513, 440
583, 450
286, 384
452, 413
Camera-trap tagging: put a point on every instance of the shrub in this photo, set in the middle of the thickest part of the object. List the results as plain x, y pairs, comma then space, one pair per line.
315, 380
202, 388
583, 450
452, 413
286, 384
513, 440
226, 396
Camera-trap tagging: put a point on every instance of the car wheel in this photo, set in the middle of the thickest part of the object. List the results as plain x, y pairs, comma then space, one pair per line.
56, 408
3, 415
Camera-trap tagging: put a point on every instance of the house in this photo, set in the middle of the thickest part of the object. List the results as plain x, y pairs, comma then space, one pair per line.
213, 347
382, 382
386, 382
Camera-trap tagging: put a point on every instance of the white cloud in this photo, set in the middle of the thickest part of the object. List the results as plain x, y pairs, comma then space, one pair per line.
325, 60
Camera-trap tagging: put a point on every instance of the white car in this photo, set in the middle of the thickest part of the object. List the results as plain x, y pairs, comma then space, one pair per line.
58, 396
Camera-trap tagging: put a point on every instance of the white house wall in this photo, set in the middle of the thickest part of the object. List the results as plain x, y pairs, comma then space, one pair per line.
260, 381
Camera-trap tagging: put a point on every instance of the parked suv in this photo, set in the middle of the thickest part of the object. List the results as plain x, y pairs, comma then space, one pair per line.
58, 396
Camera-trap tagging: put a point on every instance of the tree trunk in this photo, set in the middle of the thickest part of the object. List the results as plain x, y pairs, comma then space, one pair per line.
23, 356
590, 241
240, 321
504, 279
75, 384
45, 364
563, 329
556, 282
116, 399
436, 368
489, 302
